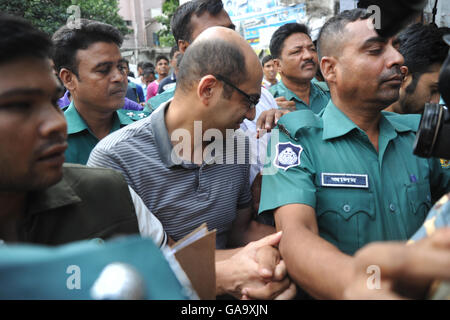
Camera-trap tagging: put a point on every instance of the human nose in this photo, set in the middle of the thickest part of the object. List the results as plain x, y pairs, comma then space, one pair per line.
394, 57
308, 54
119, 75
53, 121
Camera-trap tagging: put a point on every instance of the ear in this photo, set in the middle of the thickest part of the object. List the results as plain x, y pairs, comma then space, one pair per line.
407, 77
404, 71
182, 45
328, 69
207, 89
68, 78
277, 64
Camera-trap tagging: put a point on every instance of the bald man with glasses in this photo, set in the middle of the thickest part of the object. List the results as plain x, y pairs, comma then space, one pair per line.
189, 166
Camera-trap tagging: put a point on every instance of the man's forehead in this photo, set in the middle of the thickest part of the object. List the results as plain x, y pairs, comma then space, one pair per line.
206, 20
358, 32
29, 76
297, 39
100, 52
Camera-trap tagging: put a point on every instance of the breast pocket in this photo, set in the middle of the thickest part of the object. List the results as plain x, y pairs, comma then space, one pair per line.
419, 203
346, 217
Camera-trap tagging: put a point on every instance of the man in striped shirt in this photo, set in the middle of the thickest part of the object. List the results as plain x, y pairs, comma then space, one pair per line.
191, 175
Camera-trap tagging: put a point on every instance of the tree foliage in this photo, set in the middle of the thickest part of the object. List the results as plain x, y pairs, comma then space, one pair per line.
50, 15
165, 36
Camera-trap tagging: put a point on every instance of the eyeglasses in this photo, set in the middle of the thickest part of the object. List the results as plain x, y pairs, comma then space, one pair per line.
253, 101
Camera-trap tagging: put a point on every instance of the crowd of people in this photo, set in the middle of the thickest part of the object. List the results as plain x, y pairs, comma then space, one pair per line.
302, 162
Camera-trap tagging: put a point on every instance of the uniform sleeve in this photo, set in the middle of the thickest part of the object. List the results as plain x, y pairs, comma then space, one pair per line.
149, 225
289, 176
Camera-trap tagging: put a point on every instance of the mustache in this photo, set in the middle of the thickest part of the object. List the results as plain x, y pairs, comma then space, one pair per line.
119, 88
308, 62
390, 73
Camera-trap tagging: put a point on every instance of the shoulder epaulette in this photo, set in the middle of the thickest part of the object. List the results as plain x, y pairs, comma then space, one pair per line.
134, 114
292, 122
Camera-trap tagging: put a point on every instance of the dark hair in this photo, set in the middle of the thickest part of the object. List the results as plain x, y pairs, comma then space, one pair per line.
421, 46
266, 59
173, 51
181, 20
215, 57
145, 65
19, 39
68, 41
330, 36
148, 71
281, 34
161, 57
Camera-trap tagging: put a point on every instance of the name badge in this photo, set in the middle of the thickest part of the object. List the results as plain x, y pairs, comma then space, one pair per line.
345, 180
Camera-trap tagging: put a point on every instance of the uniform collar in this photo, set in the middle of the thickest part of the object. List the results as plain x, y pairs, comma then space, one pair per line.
337, 124
75, 123
289, 95
399, 127
56, 196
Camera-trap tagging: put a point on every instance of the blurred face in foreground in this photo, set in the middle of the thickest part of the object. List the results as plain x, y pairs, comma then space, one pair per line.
33, 129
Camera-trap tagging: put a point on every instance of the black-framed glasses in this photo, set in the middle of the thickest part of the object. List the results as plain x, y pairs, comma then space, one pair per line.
253, 101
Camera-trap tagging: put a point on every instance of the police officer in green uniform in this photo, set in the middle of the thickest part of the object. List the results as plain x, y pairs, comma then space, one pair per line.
91, 67
347, 177
296, 59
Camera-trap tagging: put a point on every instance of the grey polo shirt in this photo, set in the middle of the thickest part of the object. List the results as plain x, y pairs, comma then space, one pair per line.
180, 194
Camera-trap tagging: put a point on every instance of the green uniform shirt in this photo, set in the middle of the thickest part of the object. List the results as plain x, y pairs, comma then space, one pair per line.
359, 195
318, 97
81, 140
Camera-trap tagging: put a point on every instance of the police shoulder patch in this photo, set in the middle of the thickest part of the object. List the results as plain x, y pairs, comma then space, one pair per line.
288, 155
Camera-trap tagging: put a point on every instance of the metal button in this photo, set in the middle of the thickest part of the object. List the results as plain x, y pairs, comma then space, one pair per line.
346, 208
392, 207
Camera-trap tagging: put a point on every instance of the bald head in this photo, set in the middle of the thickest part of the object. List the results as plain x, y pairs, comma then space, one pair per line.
217, 51
227, 35
333, 35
